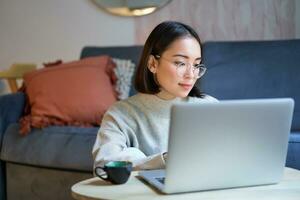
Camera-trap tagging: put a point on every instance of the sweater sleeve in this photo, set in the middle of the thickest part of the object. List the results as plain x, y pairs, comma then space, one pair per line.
113, 144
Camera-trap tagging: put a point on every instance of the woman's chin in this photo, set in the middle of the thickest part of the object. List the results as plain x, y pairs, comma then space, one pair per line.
183, 94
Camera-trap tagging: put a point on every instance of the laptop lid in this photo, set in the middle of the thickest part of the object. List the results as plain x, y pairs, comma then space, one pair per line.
227, 144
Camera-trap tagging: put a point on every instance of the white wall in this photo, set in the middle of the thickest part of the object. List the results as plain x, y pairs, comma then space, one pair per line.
43, 30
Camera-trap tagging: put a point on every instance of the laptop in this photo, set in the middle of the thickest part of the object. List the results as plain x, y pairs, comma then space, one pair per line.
226, 144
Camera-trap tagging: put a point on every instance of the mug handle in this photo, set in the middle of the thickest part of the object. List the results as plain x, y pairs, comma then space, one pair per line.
101, 175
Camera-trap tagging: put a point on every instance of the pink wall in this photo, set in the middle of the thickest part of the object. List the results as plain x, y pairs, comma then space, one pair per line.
226, 19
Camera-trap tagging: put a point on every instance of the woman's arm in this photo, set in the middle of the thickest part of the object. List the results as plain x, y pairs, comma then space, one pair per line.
112, 149
113, 143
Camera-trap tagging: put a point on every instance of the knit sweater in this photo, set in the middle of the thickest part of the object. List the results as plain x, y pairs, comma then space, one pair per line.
137, 130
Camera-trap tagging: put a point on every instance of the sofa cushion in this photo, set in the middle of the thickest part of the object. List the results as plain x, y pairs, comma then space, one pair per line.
122, 52
124, 71
70, 147
293, 156
55, 147
74, 93
254, 69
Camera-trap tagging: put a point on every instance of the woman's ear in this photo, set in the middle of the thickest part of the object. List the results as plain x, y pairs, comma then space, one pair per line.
152, 64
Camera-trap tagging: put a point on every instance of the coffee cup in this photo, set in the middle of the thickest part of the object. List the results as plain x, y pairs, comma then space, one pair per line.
116, 172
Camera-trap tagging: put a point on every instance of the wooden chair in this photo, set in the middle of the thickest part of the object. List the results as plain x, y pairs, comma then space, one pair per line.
16, 71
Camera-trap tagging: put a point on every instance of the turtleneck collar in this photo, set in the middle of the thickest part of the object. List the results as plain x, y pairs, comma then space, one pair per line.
156, 105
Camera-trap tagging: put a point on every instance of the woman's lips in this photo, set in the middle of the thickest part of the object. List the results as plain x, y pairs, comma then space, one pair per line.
186, 86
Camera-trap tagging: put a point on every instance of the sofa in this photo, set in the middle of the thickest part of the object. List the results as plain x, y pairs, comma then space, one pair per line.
47, 162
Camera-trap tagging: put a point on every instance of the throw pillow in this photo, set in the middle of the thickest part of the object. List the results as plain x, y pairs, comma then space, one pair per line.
75, 93
124, 71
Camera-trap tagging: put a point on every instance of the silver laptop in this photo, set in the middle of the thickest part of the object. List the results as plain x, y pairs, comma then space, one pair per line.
227, 144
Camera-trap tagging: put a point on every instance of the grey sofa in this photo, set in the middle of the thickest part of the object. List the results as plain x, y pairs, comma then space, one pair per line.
47, 162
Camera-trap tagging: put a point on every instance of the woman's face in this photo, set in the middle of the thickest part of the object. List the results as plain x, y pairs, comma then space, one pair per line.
173, 84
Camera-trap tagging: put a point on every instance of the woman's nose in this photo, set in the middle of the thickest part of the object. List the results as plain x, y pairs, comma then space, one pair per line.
189, 71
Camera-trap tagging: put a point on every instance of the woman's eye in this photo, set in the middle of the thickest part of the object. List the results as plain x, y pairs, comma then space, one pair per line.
179, 64
197, 66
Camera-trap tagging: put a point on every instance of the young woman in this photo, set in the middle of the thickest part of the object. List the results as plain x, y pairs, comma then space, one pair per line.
136, 129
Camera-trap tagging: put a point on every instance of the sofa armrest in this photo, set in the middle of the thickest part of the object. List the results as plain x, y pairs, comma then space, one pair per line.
11, 109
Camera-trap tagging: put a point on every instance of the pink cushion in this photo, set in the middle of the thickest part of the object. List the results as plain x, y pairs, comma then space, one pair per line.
74, 93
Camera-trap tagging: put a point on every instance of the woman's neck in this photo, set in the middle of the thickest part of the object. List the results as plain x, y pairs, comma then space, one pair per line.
164, 95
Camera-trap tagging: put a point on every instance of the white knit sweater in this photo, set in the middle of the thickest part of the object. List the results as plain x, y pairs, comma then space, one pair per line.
136, 130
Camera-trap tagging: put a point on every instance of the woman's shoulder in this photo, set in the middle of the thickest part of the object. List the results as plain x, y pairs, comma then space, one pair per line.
205, 97
121, 111
125, 104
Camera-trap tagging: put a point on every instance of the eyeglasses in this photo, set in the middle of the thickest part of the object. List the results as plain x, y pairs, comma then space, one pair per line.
182, 67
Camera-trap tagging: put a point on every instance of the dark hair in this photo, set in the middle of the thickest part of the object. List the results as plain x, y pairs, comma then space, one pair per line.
162, 36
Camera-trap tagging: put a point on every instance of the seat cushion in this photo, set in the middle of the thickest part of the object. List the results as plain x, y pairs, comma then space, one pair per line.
56, 147
293, 156
71, 147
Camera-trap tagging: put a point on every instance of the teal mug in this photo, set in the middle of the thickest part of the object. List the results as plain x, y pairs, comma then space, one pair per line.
116, 172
